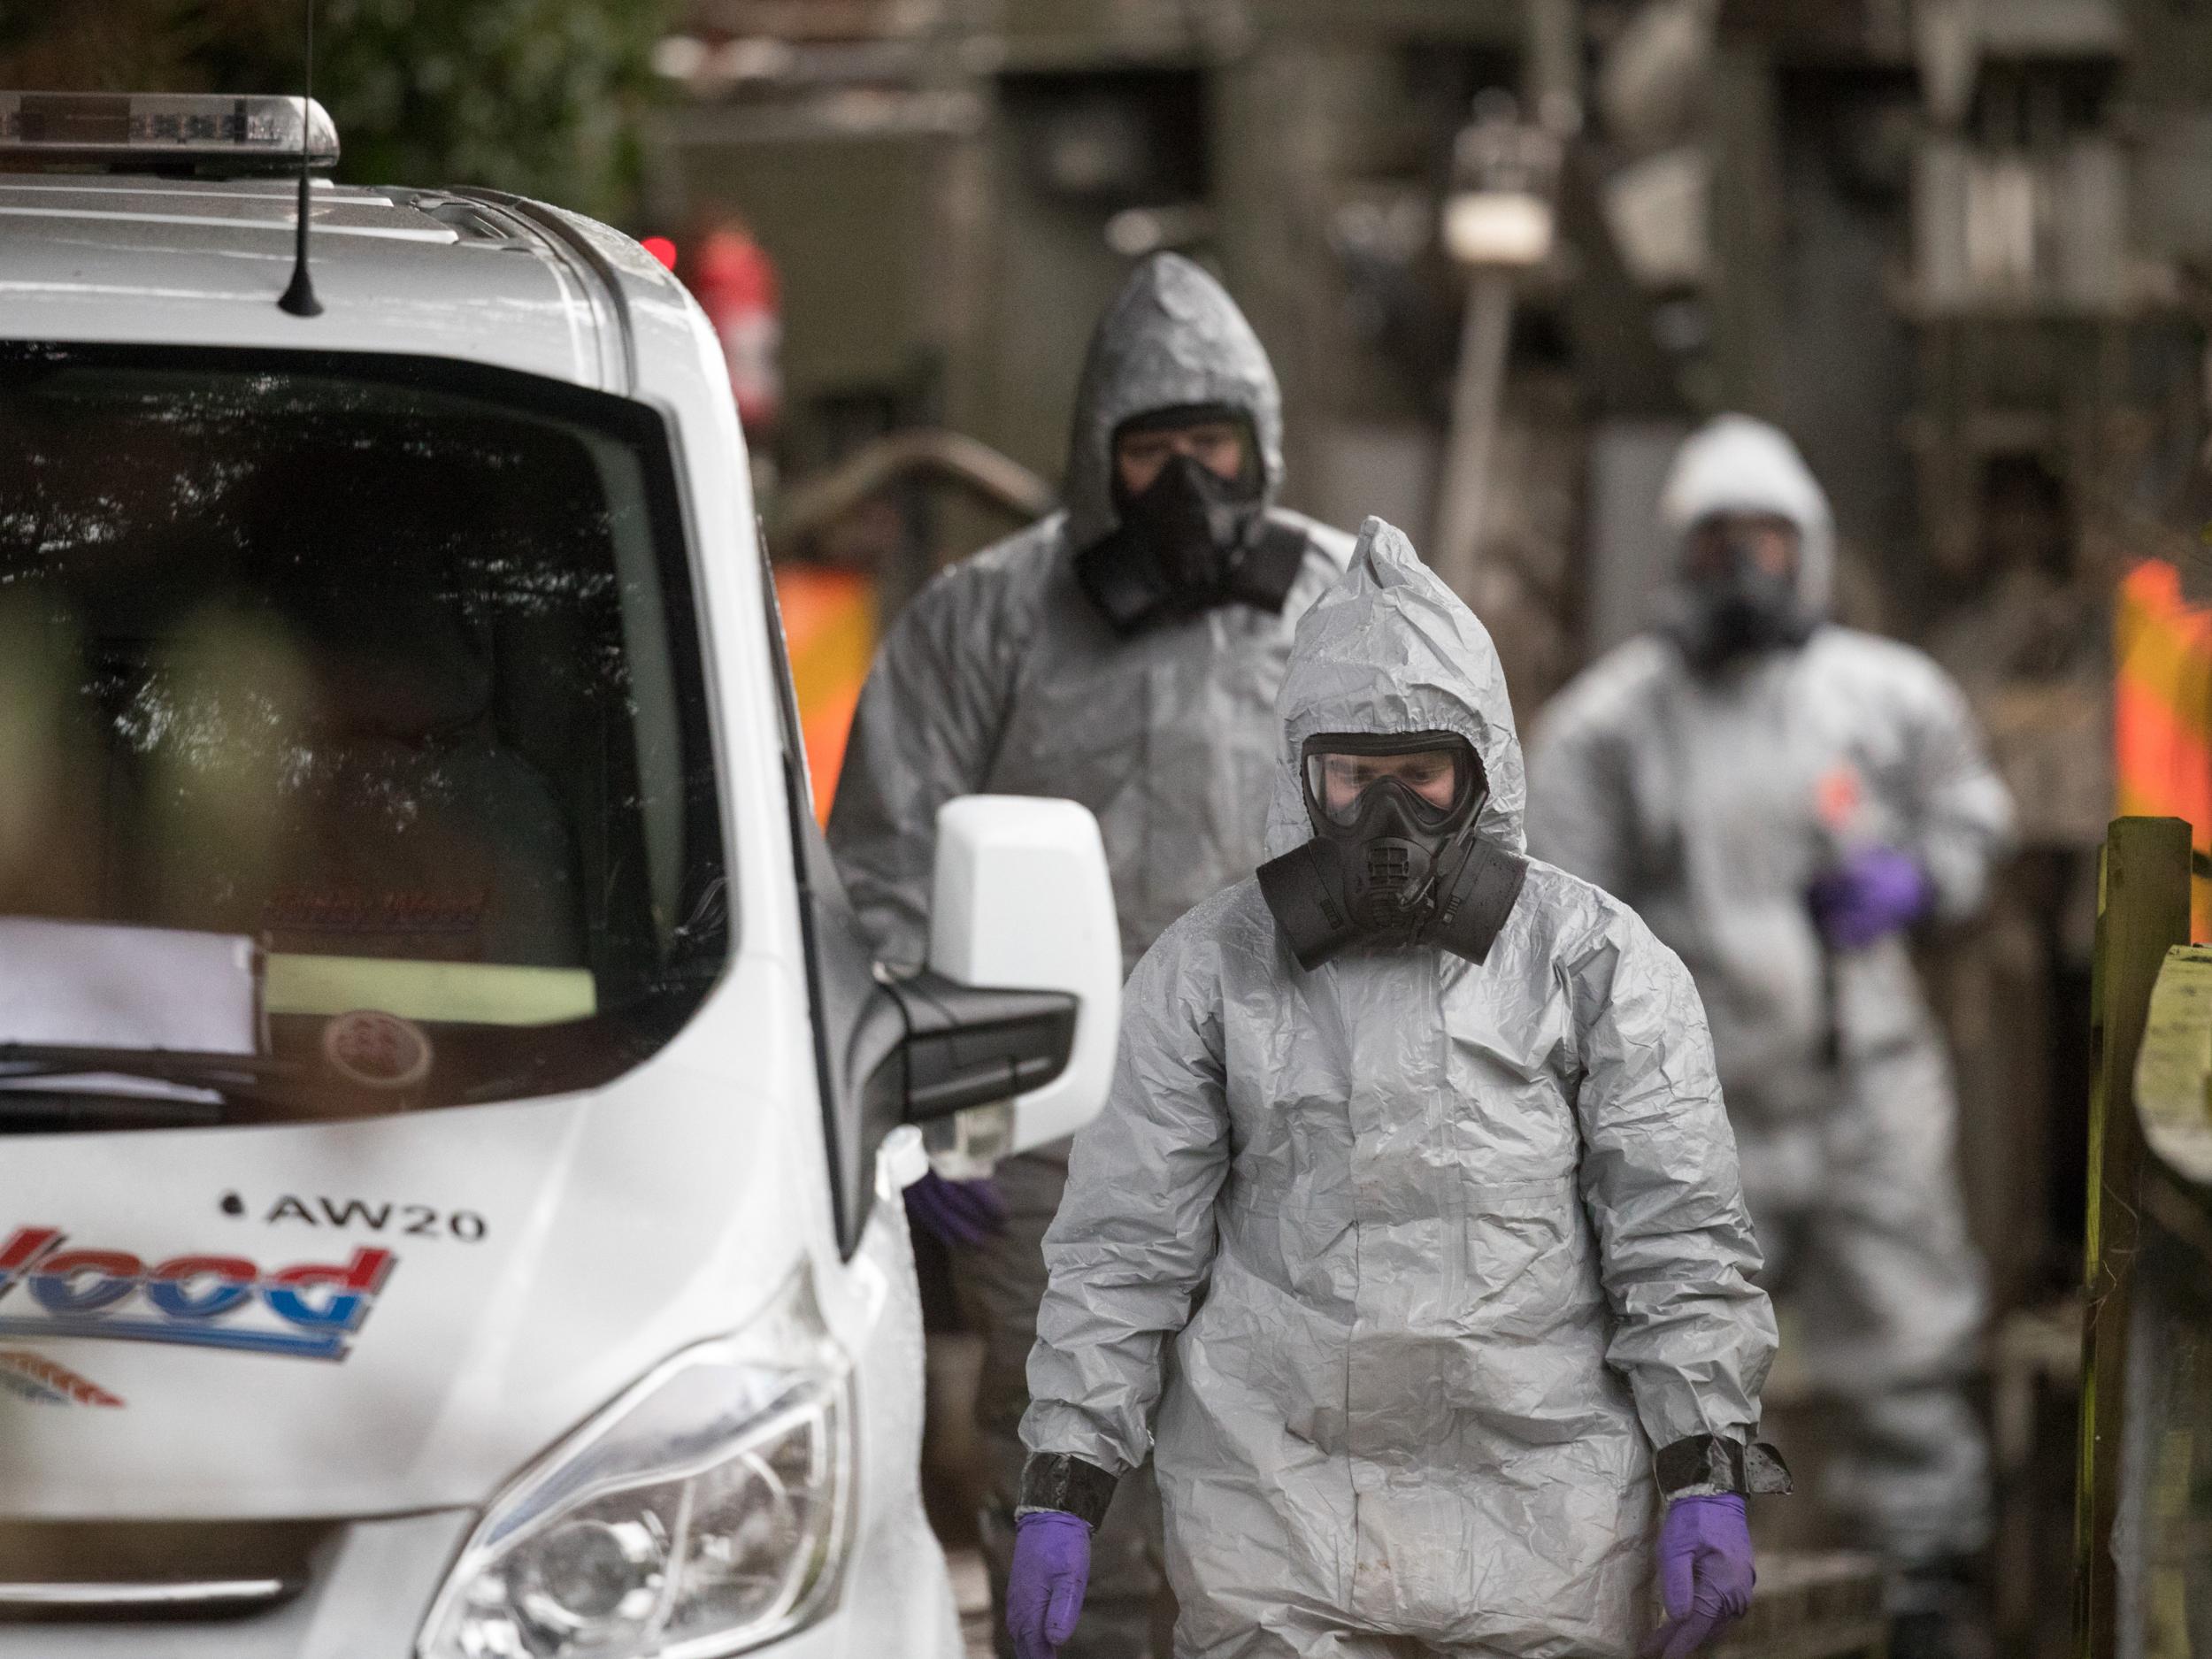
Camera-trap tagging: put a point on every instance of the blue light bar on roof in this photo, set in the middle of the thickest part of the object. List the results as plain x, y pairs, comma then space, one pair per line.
136, 131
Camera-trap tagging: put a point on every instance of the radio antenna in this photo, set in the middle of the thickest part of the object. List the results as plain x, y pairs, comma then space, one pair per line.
299, 298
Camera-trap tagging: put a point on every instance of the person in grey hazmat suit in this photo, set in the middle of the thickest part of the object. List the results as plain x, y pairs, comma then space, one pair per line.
1125, 653
1415, 1159
1782, 799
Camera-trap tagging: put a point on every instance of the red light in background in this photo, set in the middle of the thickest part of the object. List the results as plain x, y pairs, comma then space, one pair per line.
661, 249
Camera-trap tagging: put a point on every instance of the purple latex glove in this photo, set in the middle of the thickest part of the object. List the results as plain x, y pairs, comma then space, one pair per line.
1044, 1589
1705, 1574
1874, 892
958, 1212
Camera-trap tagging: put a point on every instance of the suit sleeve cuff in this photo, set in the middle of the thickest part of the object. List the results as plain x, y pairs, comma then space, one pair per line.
1708, 1465
1055, 1480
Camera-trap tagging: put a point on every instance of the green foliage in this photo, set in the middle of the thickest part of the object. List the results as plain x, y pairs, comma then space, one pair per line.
538, 97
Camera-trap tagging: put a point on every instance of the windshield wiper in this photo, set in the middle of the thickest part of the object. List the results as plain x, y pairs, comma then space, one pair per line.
185, 1065
231, 1078
105, 1109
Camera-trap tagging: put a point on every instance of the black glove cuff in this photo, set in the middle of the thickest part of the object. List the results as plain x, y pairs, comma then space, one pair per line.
1712, 1463
1054, 1480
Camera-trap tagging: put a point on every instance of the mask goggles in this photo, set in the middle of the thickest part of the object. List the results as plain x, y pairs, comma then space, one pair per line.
1393, 859
1430, 778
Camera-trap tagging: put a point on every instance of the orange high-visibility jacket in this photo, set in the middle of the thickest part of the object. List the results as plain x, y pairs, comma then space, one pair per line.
2163, 711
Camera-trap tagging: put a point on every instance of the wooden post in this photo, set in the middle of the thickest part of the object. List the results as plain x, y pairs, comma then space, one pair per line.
2142, 910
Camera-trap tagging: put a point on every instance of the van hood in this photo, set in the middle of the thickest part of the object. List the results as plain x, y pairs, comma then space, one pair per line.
394, 1314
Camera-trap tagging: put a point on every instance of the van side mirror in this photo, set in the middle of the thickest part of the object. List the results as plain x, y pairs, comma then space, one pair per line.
1021, 1000
1023, 992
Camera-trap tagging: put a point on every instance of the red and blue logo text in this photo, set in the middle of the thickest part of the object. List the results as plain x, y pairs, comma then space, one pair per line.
310, 1309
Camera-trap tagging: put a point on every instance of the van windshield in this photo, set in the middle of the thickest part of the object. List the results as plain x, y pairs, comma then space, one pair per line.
352, 722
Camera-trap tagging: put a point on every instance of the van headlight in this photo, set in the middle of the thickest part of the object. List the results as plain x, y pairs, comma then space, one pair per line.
704, 1512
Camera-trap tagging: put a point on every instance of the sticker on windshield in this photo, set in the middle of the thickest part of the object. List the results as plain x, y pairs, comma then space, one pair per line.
310, 1310
371, 1049
48, 1382
302, 911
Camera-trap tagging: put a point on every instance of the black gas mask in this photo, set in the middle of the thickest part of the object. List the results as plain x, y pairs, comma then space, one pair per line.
1191, 539
1740, 589
1394, 859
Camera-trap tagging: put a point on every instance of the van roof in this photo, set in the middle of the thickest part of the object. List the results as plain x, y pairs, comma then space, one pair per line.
470, 275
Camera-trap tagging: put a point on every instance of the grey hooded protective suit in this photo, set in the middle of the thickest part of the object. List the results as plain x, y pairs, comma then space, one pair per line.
1711, 803
1443, 1248
1001, 676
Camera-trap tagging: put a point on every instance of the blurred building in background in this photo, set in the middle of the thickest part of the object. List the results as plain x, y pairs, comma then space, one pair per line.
1949, 246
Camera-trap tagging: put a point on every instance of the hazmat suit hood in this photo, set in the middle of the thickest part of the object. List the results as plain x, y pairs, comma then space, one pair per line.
1006, 675
1172, 337
1734, 463
1391, 650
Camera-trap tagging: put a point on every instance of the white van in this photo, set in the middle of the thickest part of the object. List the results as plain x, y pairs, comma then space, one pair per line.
449, 1198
